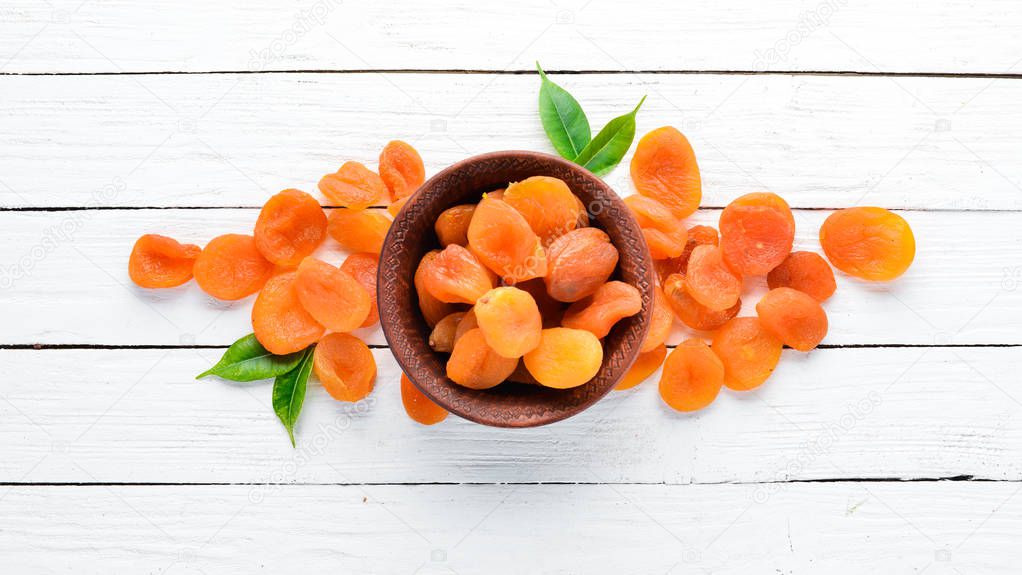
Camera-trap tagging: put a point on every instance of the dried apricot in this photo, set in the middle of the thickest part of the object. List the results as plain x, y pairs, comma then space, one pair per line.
697, 236
161, 262
692, 376
345, 366
805, 271
401, 169
579, 262
433, 310
510, 321
280, 322
665, 235
547, 204
692, 313
455, 275
598, 313
291, 226
362, 267
452, 225
419, 407
359, 230
645, 365
756, 233
467, 323
869, 243
748, 351
396, 206
565, 358
794, 317
231, 267
661, 320
502, 239
475, 365
331, 296
441, 339
710, 281
353, 186
664, 168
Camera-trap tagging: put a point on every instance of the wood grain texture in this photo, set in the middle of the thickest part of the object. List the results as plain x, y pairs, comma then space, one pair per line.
139, 416
64, 281
827, 528
868, 36
233, 140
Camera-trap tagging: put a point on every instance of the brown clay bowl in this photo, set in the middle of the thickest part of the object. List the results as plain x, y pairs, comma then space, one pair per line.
411, 236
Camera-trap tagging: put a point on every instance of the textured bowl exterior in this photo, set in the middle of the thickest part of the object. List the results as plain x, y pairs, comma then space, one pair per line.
412, 235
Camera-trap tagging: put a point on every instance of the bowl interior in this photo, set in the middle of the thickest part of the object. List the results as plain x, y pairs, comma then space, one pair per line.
411, 236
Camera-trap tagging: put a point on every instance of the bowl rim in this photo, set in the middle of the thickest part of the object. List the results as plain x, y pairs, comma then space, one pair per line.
623, 356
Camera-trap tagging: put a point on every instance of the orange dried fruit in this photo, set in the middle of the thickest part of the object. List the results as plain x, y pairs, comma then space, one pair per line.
231, 267
475, 365
794, 317
160, 262
547, 204
710, 281
645, 365
579, 262
433, 310
467, 323
359, 230
442, 338
419, 407
805, 271
665, 235
281, 323
756, 233
401, 169
502, 239
869, 243
331, 296
692, 313
397, 205
345, 366
661, 320
291, 226
510, 321
598, 313
692, 376
454, 275
565, 358
664, 168
697, 236
362, 266
452, 225
353, 186
550, 309
748, 351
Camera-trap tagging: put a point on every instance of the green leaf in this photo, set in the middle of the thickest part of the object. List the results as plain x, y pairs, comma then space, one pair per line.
563, 119
610, 145
248, 360
289, 392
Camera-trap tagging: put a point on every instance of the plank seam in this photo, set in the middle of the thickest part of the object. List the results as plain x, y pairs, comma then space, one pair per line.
77, 346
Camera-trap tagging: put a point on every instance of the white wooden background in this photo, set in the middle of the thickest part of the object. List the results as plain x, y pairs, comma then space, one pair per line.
895, 448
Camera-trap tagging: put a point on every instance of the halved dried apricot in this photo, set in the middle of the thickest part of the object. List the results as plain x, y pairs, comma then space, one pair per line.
748, 351
452, 225
565, 358
291, 226
692, 376
692, 313
579, 262
805, 271
401, 169
794, 317
280, 322
363, 266
419, 407
710, 281
442, 338
664, 168
396, 206
510, 321
502, 239
665, 235
345, 366
359, 230
353, 186
598, 313
697, 236
547, 204
454, 275
433, 310
160, 262
231, 267
331, 296
869, 243
475, 365
756, 233
645, 365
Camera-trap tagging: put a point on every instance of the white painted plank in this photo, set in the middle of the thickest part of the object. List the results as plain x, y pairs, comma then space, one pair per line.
866, 36
941, 528
232, 140
65, 281
139, 416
